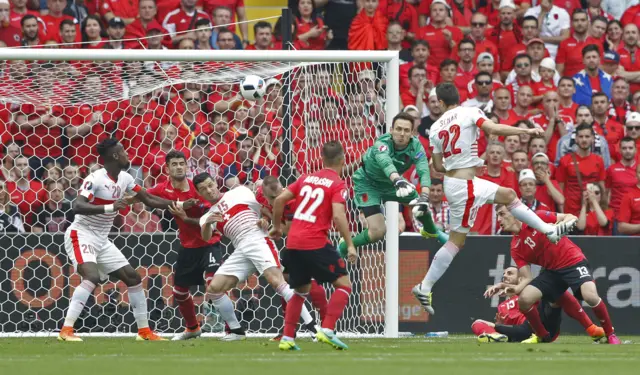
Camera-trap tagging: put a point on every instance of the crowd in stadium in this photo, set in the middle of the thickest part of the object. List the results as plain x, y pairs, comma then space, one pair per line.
571, 67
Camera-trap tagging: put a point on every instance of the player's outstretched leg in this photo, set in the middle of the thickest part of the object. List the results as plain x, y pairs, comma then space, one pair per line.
441, 262
571, 307
486, 333
591, 297
90, 278
216, 293
337, 303
291, 318
188, 311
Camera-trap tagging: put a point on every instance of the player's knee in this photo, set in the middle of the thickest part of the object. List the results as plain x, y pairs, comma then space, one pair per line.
132, 278
274, 276
94, 278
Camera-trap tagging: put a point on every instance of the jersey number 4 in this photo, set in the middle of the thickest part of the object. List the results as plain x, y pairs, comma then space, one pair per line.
450, 148
311, 200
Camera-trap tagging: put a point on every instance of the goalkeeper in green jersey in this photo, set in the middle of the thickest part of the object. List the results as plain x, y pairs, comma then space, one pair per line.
379, 179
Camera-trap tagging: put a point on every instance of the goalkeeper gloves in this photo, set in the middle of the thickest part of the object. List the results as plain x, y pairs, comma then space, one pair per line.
420, 205
403, 187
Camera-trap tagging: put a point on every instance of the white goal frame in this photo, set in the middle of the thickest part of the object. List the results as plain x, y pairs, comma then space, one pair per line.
388, 58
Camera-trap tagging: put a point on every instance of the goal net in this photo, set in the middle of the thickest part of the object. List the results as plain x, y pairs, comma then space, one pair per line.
56, 105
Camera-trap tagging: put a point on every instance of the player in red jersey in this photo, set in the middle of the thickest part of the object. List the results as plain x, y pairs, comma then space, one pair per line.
564, 266
320, 197
266, 195
511, 325
197, 260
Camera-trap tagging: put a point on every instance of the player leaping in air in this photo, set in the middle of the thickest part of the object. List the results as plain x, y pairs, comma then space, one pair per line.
320, 198
454, 138
379, 179
511, 325
197, 260
236, 214
88, 247
564, 266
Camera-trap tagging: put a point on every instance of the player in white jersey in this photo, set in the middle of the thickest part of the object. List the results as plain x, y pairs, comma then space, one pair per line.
88, 247
236, 215
454, 137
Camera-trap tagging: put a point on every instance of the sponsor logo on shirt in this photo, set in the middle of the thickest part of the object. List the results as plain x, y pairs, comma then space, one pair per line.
382, 148
419, 155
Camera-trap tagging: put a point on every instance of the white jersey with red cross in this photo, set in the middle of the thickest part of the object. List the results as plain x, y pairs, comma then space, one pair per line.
241, 212
455, 135
101, 189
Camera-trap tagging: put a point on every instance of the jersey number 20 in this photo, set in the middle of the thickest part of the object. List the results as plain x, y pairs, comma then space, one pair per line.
450, 149
311, 200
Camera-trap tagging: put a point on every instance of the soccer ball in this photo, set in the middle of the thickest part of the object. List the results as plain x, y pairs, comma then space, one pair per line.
252, 87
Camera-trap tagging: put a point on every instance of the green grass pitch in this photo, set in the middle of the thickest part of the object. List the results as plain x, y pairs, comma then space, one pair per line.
456, 355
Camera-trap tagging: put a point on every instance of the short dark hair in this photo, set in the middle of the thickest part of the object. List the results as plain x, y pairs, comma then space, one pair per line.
203, 22
519, 150
402, 116
174, 154
467, 41
200, 178
588, 108
223, 30
528, 123
597, 94
391, 23
66, 23
332, 153
480, 74
414, 68
530, 18
261, 25
566, 78
270, 181
27, 18
579, 11
420, 42
628, 139
590, 48
447, 62
448, 93
436, 181
522, 56
599, 18
105, 146
582, 127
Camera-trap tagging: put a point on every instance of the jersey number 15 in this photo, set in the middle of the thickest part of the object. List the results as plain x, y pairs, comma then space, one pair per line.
449, 149
311, 200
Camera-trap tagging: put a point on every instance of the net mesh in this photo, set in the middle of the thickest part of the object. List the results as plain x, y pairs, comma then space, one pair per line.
53, 113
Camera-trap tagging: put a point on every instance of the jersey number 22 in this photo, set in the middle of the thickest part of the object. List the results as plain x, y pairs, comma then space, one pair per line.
311, 200
449, 149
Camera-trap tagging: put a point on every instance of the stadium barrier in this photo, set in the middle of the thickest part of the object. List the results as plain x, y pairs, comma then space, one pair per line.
37, 280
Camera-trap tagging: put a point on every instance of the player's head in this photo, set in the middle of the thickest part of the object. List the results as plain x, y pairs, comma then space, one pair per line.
402, 129
333, 155
508, 222
510, 275
447, 95
207, 187
113, 153
271, 188
176, 164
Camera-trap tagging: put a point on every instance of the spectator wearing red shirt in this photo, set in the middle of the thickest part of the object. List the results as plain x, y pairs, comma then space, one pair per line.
192, 121
629, 55
244, 171
548, 190
566, 90
441, 38
569, 58
523, 66
238, 14
87, 127
502, 105
405, 14
598, 29
631, 16
310, 28
69, 33
200, 162
222, 141
554, 124
589, 165
26, 193
486, 219
263, 35
477, 34
55, 16
594, 9
621, 176
145, 21
619, 108
507, 35
266, 152
485, 63
604, 125
154, 161
526, 181
466, 66
126, 10
524, 98
629, 216
30, 31
18, 10
92, 33
420, 55
546, 71
10, 35
179, 21
595, 219
419, 89
368, 28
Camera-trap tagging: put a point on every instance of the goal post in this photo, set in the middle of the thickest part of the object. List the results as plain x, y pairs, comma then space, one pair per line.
378, 314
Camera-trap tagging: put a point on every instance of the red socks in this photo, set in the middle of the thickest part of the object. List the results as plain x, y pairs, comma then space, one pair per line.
318, 298
536, 323
337, 303
186, 306
603, 315
479, 327
572, 307
292, 314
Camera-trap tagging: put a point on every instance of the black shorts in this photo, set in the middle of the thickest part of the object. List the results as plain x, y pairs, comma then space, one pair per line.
192, 264
324, 265
284, 260
551, 318
553, 283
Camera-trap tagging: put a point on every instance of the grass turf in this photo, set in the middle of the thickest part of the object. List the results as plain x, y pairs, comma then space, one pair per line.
456, 355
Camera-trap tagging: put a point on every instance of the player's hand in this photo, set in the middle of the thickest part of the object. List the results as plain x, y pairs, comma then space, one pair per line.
177, 211
541, 175
130, 199
535, 131
120, 204
214, 218
263, 224
352, 255
191, 202
275, 233
493, 290
403, 187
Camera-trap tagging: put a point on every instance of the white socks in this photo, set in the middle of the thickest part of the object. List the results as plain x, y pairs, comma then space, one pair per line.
439, 266
138, 302
524, 214
285, 291
78, 300
224, 307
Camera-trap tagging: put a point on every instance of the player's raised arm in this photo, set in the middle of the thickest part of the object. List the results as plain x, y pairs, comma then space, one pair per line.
385, 162
157, 202
525, 278
492, 128
206, 229
82, 206
278, 211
